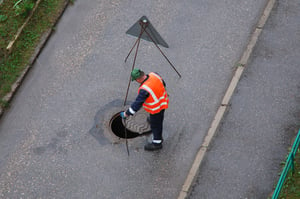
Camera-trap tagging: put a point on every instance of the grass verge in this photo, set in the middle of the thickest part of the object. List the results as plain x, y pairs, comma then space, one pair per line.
43, 19
291, 187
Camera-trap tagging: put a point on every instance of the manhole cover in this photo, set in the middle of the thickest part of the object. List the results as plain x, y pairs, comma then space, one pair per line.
136, 125
138, 122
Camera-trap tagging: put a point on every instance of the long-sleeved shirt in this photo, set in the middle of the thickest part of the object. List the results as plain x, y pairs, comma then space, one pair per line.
140, 99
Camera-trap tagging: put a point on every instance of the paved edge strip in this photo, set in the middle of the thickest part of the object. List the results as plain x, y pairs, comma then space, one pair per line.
186, 188
8, 97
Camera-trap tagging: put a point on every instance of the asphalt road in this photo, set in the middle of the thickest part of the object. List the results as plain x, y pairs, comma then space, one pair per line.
245, 157
51, 139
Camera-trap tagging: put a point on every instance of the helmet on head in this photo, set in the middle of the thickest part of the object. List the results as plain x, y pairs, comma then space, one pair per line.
135, 74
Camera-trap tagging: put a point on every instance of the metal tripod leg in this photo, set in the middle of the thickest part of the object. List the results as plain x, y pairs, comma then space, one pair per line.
139, 37
137, 43
162, 53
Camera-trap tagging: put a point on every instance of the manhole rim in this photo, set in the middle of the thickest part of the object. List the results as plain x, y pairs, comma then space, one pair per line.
107, 131
114, 117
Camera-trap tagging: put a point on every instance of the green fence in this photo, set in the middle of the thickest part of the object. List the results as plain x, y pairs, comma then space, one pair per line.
288, 165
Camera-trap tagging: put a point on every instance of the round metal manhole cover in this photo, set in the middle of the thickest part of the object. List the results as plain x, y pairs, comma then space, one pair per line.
138, 122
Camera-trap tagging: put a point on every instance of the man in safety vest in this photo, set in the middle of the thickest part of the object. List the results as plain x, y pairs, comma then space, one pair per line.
153, 96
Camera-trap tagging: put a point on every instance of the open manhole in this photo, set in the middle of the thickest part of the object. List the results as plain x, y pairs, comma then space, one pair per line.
136, 125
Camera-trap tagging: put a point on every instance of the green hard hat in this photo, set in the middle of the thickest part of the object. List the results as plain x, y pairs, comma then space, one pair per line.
135, 73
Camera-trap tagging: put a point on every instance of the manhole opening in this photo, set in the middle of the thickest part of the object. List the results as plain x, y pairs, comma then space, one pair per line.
118, 128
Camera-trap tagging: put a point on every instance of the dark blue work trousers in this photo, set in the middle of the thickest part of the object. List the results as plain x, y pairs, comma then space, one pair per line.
156, 124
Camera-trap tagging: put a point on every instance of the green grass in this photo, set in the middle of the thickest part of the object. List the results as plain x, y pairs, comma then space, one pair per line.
10, 22
42, 20
291, 187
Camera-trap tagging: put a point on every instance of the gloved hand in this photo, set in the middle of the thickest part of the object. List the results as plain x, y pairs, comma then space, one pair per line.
123, 115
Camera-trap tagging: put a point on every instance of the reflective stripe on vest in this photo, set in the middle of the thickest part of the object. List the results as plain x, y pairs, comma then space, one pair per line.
154, 109
153, 95
156, 101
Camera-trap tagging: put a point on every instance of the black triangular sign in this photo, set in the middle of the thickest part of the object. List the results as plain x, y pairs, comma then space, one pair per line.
149, 32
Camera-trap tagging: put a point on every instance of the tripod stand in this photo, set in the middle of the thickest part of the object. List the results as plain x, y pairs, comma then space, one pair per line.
144, 24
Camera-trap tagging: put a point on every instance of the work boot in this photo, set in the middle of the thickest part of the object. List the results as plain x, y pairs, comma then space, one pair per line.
152, 146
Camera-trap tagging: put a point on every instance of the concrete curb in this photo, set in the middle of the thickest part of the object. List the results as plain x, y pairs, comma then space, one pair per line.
186, 188
8, 97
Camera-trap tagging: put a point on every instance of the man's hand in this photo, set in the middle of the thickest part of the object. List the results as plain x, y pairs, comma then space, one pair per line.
123, 115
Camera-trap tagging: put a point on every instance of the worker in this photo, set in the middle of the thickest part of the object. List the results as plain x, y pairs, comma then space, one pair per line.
152, 95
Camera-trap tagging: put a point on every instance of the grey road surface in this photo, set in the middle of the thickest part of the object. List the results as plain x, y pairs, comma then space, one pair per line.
52, 142
245, 157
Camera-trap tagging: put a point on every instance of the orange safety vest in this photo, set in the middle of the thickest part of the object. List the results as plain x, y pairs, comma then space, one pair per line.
158, 98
